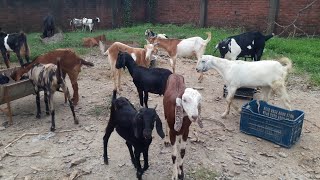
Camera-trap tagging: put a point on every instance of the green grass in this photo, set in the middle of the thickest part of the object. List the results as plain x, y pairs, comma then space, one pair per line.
303, 52
202, 174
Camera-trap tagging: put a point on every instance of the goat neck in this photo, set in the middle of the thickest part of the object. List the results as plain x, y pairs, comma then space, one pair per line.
219, 64
167, 44
130, 65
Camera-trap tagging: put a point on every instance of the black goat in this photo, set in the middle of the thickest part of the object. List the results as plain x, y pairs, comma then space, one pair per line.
247, 44
13, 42
146, 80
133, 126
48, 26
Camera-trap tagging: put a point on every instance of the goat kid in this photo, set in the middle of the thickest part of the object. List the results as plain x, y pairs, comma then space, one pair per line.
141, 56
93, 41
247, 44
194, 46
14, 42
135, 127
146, 80
181, 107
268, 74
148, 33
75, 23
49, 78
89, 22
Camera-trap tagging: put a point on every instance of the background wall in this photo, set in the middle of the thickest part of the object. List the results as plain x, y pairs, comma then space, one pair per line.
27, 15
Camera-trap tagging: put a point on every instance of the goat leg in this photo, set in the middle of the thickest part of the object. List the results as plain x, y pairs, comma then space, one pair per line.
140, 97
76, 121
131, 154
5, 58
106, 137
46, 102
146, 96
53, 123
139, 169
19, 57
145, 159
38, 105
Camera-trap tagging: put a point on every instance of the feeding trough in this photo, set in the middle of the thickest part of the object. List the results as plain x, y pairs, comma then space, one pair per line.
12, 91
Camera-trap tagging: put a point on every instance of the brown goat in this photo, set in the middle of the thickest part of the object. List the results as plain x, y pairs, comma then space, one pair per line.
194, 46
70, 64
93, 41
181, 107
142, 57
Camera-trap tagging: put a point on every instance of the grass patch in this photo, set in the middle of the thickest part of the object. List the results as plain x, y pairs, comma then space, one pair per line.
202, 174
303, 52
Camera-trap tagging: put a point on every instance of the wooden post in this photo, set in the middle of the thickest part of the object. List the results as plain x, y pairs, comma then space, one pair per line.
272, 17
203, 12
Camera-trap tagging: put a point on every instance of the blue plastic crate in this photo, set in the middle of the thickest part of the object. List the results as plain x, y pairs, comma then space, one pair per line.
272, 123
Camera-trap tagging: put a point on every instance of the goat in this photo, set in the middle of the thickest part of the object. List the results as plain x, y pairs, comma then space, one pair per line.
93, 41
268, 74
89, 22
75, 23
133, 126
48, 77
48, 25
181, 107
146, 80
148, 33
70, 64
13, 42
141, 56
246, 44
182, 48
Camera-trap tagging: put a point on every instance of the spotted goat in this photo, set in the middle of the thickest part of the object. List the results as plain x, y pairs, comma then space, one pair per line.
49, 78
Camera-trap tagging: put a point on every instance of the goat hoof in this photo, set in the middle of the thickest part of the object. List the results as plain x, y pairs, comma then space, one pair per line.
76, 121
106, 161
181, 176
47, 113
139, 175
166, 144
38, 116
52, 129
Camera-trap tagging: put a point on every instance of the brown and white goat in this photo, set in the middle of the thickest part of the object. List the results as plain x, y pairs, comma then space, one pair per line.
181, 107
194, 46
141, 56
70, 64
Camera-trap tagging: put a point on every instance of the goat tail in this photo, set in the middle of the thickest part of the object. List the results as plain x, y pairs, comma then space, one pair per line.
103, 49
114, 95
86, 63
267, 37
209, 37
286, 62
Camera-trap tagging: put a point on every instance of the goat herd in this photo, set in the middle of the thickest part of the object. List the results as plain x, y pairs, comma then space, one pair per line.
182, 105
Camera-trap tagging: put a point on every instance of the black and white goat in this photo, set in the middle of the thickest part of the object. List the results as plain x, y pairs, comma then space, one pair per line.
146, 80
133, 126
76, 23
89, 22
13, 42
49, 78
148, 33
247, 44
48, 26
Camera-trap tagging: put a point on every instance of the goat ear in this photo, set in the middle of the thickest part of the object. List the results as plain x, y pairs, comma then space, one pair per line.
159, 127
137, 125
178, 115
199, 116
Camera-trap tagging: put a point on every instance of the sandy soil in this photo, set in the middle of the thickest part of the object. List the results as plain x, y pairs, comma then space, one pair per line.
225, 150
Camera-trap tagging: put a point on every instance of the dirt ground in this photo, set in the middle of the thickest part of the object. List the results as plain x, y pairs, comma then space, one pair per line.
225, 150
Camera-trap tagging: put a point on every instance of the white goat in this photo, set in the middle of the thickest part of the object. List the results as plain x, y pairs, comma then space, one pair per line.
268, 74
194, 46
142, 57
89, 22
